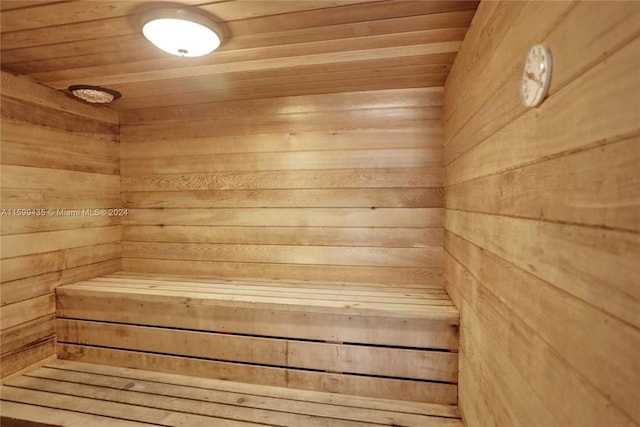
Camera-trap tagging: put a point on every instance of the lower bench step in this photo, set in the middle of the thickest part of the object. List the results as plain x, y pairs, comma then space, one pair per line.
65, 393
365, 339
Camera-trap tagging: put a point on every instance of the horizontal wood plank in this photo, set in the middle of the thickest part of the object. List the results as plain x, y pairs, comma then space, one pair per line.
565, 264
27, 310
326, 178
356, 159
305, 380
27, 356
574, 56
569, 129
153, 70
540, 216
435, 309
303, 187
42, 178
421, 71
13, 411
330, 255
590, 187
265, 295
299, 198
25, 144
230, 388
61, 218
487, 71
309, 79
292, 122
41, 263
389, 275
276, 49
238, 395
17, 245
26, 88
23, 335
58, 200
116, 387
282, 308
290, 217
181, 410
280, 107
41, 115
140, 145
366, 360
488, 370
49, 69
563, 348
342, 291
57, 154
106, 408
260, 235
40, 284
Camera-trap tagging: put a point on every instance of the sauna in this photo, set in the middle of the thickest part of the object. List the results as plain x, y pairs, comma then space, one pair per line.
320, 213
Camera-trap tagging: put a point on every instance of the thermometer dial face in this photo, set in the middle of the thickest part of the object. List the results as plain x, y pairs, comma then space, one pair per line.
536, 75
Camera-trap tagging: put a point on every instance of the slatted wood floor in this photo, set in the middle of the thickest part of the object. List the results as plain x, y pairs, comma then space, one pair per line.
65, 393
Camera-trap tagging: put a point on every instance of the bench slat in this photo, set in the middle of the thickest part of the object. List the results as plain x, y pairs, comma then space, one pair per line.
384, 361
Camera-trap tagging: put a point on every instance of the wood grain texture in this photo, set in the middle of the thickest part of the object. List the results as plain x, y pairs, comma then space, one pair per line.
281, 254
225, 296
270, 235
270, 50
366, 360
542, 217
37, 283
57, 154
301, 187
597, 186
351, 273
356, 338
299, 198
59, 261
326, 178
227, 392
308, 148
576, 55
474, 268
39, 350
575, 130
19, 337
80, 393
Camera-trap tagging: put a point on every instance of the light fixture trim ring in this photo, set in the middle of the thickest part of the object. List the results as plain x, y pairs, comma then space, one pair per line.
114, 94
187, 15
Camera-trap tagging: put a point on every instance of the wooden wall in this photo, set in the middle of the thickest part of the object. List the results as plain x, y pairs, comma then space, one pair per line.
339, 187
57, 154
543, 216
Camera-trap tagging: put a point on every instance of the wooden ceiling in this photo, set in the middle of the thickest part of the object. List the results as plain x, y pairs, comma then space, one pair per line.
271, 48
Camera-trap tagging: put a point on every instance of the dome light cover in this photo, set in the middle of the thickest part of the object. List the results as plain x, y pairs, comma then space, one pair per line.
94, 94
181, 32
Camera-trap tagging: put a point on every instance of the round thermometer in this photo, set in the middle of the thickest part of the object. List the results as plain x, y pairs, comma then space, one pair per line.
536, 75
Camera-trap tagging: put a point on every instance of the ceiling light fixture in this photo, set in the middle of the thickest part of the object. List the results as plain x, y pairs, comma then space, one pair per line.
94, 94
181, 32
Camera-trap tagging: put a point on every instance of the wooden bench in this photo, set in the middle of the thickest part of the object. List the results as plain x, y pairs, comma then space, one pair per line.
372, 340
